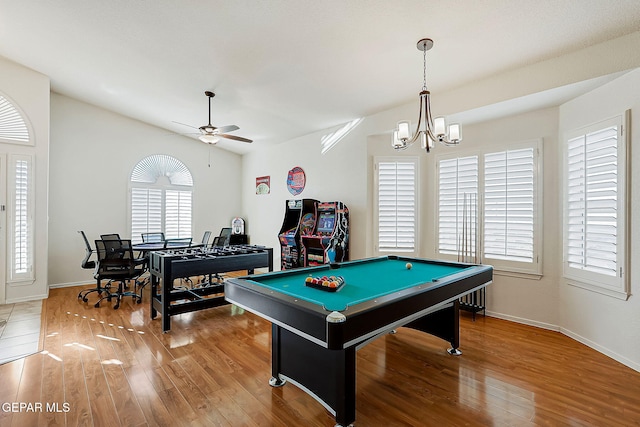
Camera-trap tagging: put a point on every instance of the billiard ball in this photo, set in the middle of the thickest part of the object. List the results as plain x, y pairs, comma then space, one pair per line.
409, 265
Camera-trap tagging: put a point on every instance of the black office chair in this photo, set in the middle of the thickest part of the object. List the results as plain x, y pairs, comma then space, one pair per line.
219, 242
90, 265
116, 262
155, 237
223, 239
226, 233
205, 238
178, 242
112, 236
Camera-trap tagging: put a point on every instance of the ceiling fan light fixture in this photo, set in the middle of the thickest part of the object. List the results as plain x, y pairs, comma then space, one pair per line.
210, 134
209, 139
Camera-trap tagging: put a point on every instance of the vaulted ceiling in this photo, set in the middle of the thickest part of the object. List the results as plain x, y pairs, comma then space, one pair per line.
284, 68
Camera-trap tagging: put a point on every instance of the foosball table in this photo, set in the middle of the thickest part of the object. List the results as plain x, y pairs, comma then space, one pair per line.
166, 266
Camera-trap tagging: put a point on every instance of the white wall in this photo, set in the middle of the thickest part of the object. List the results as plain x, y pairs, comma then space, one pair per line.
606, 323
29, 90
340, 175
93, 152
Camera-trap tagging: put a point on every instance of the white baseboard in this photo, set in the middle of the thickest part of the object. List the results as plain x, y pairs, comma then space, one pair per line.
68, 285
615, 356
524, 321
26, 299
600, 349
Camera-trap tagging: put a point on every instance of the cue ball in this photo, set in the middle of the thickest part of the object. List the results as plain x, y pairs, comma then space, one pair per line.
409, 265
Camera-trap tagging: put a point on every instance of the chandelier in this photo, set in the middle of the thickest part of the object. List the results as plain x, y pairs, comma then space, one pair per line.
429, 129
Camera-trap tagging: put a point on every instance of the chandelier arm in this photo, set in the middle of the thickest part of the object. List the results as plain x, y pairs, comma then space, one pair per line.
431, 127
423, 105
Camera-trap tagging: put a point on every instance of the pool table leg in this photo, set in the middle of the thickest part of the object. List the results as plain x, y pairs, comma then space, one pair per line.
444, 323
154, 289
328, 375
275, 380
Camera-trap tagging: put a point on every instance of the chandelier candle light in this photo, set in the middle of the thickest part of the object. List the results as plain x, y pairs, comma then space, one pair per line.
429, 129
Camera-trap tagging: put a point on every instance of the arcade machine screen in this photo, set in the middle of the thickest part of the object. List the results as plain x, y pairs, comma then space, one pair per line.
326, 223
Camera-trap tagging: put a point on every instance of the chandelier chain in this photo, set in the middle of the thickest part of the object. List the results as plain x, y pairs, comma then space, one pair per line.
424, 69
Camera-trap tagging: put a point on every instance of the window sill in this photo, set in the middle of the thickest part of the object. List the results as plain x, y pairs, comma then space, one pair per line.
21, 282
517, 274
615, 293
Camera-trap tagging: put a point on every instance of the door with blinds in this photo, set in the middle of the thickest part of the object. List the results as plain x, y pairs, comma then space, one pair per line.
396, 206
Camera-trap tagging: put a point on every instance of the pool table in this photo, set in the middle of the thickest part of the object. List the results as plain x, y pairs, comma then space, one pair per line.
315, 333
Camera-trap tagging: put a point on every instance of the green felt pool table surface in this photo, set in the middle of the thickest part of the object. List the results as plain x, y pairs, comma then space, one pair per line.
364, 280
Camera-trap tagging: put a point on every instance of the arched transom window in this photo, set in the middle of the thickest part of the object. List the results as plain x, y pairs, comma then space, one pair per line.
161, 197
13, 128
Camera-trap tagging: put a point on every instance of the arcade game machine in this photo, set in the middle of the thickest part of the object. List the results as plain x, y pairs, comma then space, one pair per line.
330, 241
299, 219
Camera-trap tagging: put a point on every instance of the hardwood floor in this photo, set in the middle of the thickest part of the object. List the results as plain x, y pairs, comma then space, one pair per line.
105, 367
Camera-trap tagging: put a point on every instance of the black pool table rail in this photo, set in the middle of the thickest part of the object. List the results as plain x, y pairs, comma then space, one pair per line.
395, 308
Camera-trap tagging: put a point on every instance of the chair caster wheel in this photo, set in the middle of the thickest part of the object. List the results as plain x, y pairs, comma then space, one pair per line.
139, 301
117, 306
85, 300
97, 305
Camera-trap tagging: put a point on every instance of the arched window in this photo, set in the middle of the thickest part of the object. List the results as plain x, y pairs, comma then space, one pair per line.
13, 128
161, 197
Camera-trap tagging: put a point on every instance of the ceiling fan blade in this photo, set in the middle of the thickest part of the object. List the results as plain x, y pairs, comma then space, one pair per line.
235, 138
183, 124
228, 128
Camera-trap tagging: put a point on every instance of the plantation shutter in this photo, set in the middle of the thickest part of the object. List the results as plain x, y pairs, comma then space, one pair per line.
397, 206
509, 205
596, 207
456, 177
593, 201
13, 127
177, 214
22, 220
146, 212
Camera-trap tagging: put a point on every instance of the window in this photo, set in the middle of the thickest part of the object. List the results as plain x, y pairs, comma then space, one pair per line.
13, 128
457, 180
595, 208
509, 205
21, 219
489, 203
396, 203
161, 198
